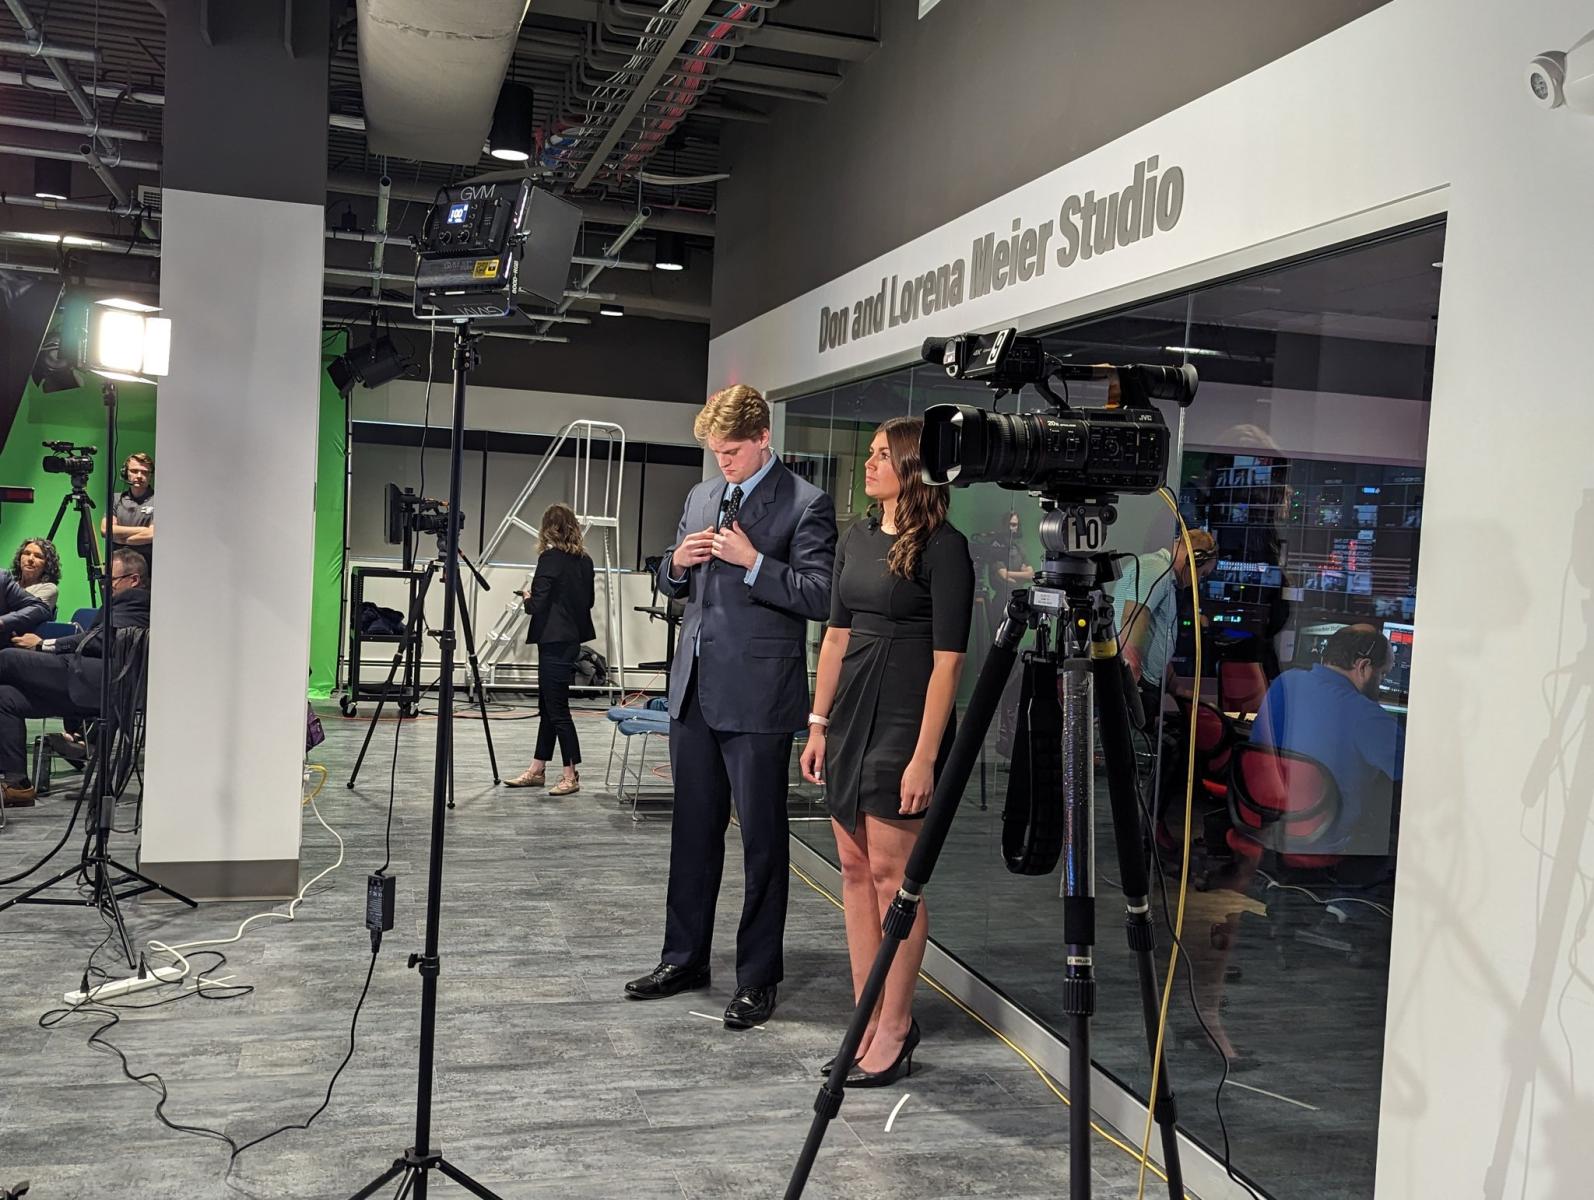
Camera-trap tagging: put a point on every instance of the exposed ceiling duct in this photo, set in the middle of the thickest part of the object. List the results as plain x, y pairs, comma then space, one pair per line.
430, 74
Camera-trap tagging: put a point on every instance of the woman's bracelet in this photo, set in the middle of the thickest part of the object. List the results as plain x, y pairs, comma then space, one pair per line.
816, 719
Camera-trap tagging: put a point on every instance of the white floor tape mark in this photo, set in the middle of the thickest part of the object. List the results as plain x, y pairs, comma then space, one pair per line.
1274, 1095
716, 1020
892, 1119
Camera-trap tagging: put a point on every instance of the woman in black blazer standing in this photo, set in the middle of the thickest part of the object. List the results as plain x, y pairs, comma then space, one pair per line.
560, 604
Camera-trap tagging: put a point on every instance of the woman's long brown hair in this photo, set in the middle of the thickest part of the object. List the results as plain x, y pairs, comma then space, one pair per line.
921, 509
560, 531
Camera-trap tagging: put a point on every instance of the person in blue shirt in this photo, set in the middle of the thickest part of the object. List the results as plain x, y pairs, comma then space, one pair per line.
1146, 599
1331, 713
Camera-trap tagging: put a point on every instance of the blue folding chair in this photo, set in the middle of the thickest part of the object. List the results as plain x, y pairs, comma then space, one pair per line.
656, 709
84, 617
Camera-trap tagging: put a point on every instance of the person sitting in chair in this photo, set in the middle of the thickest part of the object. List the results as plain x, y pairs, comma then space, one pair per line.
61, 677
21, 608
1331, 713
37, 567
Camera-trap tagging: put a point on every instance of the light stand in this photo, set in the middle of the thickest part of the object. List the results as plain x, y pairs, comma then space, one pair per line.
1068, 594
97, 864
420, 1159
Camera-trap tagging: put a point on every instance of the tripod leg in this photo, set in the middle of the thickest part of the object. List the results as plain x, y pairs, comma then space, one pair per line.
904, 909
465, 1181
1079, 912
476, 676
106, 901
1124, 792
382, 1180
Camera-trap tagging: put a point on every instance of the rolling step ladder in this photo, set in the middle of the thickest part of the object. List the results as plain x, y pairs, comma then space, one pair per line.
599, 466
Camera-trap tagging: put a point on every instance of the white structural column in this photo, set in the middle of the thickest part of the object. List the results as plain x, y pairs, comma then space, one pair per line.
235, 453
235, 445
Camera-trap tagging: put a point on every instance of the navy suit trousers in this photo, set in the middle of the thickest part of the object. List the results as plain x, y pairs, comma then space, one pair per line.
713, 770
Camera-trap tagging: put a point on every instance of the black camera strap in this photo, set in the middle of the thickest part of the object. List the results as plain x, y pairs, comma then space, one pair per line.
1032, 819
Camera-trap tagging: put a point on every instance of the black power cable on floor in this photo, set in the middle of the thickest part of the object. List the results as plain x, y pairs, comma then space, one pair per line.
153, 1080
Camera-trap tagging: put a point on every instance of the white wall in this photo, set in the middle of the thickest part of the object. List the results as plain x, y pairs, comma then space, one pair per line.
512, 411
1419, 107
231, 595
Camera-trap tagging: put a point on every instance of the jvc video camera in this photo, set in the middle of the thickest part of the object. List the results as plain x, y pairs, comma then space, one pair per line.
1074, 453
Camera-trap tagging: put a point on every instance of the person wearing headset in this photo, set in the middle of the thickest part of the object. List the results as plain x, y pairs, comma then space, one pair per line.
133, 514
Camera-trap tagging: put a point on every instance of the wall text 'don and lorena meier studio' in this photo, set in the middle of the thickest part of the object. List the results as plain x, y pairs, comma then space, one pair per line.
1086, 226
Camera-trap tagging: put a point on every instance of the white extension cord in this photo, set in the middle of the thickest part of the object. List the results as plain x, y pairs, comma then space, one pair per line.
156, 976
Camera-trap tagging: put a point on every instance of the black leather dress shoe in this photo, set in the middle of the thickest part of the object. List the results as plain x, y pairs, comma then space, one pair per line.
667, 979
751, 1006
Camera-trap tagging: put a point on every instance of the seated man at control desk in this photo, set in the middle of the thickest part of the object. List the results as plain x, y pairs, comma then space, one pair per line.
60, 677
1331, 713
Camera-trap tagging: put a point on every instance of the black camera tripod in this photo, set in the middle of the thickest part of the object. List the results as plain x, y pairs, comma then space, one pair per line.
408, 652
88, 542
1067, 596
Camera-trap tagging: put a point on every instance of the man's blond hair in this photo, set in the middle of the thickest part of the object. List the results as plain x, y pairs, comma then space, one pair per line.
734, 414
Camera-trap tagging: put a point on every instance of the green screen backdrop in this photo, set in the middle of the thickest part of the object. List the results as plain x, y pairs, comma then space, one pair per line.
326, 605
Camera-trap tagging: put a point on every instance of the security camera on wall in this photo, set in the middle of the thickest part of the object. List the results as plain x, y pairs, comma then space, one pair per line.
1558, 78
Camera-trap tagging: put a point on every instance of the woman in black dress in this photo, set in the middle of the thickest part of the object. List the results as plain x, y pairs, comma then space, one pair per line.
882, 722
560, 604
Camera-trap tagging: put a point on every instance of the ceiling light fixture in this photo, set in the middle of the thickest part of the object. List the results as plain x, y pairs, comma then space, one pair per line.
669, 252
511, 136
607, 309
52, 178
1195, 351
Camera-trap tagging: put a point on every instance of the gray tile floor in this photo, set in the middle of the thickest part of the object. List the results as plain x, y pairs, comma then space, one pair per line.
1303, 1119
548, 1083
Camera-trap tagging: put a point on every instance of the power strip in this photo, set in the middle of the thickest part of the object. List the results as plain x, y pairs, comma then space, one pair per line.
121, 987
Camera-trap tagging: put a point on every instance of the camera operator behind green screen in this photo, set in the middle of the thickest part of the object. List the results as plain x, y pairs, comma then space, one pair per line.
133, 515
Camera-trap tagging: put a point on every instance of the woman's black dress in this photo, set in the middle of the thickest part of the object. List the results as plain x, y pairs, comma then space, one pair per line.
897, 624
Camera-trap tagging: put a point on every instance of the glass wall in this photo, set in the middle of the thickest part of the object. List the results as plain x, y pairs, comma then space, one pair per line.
1303, 458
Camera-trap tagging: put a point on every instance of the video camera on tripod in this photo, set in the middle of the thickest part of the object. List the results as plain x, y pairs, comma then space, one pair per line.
71, 459
408, 513
1073, 453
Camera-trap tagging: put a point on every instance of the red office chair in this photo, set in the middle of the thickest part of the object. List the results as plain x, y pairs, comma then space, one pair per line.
1241, 686
1280, 803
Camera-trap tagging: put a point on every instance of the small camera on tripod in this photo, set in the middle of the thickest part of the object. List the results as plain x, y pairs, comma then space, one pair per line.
70, 459
408, 513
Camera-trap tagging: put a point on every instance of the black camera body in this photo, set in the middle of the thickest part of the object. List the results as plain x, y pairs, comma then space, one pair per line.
1073, 453
407, 512
70, 459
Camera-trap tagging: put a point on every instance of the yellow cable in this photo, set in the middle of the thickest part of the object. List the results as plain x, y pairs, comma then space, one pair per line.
1184, 865
318, 786
1103, 1132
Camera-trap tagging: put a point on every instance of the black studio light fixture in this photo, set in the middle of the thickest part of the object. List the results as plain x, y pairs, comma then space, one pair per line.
52, 178
669, 252
512, 135
609, 309
371, 364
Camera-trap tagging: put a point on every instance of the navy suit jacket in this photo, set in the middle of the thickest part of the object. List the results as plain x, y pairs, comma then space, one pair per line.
752, 667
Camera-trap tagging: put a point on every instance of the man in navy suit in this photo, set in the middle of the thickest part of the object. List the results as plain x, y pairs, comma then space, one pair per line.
753, 559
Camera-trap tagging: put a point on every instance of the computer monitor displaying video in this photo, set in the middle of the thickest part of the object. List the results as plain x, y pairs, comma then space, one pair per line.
1397, 682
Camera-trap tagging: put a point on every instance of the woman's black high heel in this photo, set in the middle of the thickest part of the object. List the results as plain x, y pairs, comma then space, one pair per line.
902, 1067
